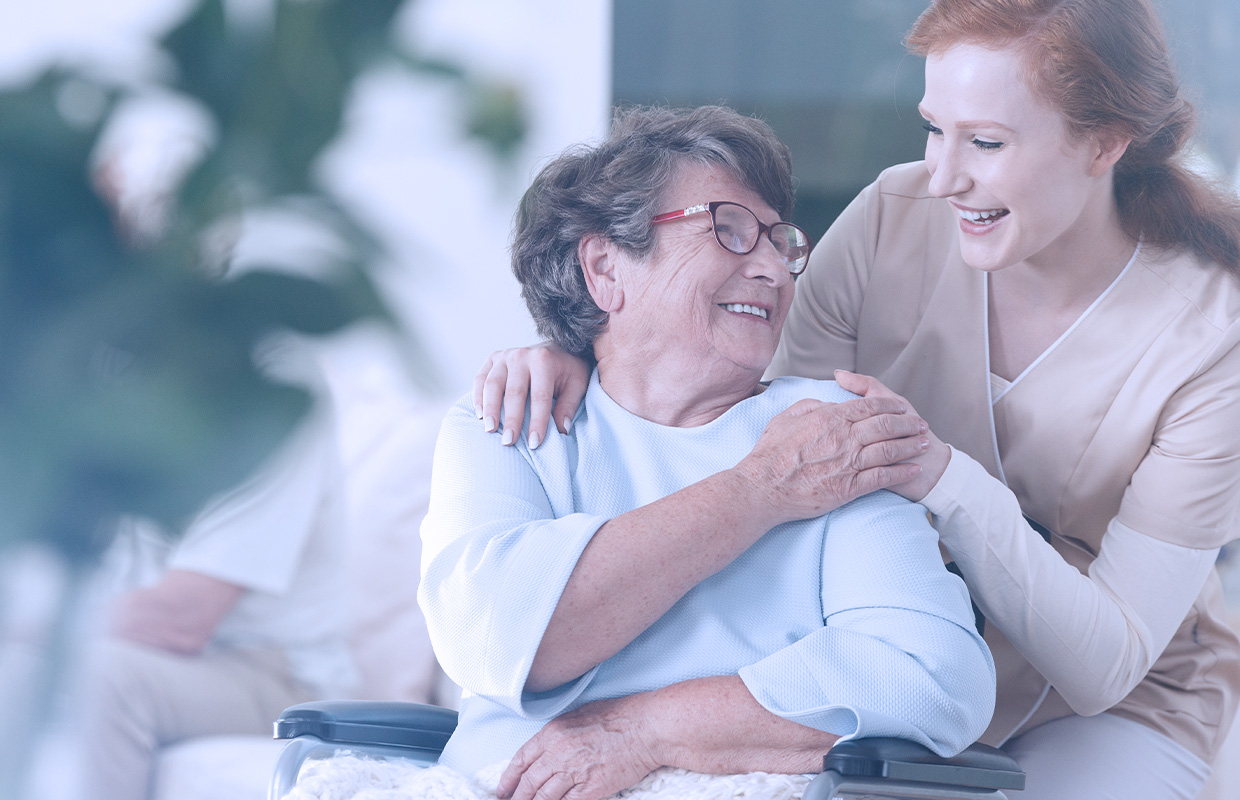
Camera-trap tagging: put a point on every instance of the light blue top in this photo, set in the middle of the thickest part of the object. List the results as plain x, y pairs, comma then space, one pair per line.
848, 622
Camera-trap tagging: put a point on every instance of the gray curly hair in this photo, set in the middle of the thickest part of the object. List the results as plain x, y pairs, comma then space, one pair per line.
614, 189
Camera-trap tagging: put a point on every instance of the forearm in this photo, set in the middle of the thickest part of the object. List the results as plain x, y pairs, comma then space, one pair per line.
1094, 636
715, 725
179, 614
639, 564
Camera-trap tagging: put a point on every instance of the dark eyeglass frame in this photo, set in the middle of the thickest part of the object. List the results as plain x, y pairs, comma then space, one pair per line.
763, 228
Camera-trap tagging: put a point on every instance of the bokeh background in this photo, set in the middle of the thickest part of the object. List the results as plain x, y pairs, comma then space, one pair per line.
159, 152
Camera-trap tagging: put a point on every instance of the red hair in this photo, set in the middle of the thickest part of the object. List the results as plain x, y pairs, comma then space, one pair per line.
1105, 65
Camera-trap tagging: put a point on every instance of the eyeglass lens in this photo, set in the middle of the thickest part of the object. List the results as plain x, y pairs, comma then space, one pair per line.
737, 229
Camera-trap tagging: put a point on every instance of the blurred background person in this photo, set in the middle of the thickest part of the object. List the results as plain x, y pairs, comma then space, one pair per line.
217, 628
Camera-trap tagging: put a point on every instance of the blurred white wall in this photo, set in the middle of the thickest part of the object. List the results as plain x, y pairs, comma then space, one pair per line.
440, 202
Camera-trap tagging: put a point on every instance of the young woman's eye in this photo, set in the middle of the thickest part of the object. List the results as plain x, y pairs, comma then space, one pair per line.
983, 144
931, 129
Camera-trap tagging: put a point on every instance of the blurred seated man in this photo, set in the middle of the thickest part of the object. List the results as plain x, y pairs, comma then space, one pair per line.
220, 629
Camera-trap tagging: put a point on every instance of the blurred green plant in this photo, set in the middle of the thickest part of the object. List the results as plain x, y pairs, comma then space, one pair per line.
127, 375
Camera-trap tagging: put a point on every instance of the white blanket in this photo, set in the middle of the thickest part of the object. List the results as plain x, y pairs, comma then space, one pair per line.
350, 777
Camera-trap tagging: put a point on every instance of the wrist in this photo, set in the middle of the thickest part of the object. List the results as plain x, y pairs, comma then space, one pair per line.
754, 490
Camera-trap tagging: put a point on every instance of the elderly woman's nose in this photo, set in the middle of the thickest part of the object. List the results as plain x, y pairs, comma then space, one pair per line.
766, 262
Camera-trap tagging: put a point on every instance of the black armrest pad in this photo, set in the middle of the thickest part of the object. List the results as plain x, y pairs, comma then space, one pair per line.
898, 759
369, 722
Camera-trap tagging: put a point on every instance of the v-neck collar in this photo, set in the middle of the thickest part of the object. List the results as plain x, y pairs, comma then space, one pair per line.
996, 396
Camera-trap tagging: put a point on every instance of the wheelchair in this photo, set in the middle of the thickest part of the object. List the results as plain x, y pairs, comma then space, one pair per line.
874, 767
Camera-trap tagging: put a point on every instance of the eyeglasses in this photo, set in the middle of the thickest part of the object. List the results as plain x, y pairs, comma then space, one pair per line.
737, 229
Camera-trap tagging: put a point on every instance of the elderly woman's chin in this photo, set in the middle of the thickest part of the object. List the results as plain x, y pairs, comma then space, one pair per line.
748, 342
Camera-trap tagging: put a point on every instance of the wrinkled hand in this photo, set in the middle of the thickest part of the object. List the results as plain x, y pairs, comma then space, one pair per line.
591, 752
554, 381
933, 460
815, 457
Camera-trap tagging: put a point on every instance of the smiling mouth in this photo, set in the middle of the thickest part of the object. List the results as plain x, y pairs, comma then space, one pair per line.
742, 308
982, 217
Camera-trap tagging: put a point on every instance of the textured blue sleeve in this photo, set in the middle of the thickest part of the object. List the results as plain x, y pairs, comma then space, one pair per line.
898, 654
495, 561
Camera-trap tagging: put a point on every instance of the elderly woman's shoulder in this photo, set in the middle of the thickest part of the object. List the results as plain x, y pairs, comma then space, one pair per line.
793, 389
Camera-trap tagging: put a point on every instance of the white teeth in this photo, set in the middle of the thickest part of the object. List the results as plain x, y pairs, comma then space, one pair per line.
979, 216
742, 308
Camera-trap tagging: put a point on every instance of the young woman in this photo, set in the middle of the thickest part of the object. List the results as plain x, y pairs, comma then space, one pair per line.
1059, 298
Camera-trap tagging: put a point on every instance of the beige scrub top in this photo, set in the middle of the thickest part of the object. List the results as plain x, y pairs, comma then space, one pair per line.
1132, 417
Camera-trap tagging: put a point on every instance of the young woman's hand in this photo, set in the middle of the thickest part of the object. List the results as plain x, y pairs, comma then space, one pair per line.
554, 381
932, 461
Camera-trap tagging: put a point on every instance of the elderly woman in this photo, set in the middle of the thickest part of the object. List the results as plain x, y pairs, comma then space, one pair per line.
661, 255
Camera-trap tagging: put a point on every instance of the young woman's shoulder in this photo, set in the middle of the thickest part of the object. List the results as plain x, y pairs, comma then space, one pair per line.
1211, 290
910, 180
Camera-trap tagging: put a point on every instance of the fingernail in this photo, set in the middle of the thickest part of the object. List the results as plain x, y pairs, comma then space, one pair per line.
510, 435
568, 424
488, 424
478, 412
534, 440
924, 444
923, 427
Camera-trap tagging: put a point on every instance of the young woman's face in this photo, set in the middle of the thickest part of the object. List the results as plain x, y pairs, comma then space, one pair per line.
1024, 189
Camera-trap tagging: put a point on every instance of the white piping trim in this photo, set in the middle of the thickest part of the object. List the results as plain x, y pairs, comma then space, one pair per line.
990, 389
1063, 335
1041, 699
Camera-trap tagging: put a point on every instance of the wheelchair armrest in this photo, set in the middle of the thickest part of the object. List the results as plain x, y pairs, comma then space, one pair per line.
345, 722
319, 729
978, 771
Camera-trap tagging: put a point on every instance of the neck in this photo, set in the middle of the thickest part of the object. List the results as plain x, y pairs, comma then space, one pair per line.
668, 391
1074, 272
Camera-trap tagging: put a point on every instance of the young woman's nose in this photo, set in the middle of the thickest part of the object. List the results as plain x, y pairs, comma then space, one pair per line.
947, 175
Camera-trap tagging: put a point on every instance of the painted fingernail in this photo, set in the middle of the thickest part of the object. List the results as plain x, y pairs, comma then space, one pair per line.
568, 424
510, 435
534, 440
478, 412
489, 425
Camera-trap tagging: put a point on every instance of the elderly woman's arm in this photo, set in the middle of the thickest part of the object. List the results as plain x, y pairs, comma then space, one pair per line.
897, 656
709, 725
588, 580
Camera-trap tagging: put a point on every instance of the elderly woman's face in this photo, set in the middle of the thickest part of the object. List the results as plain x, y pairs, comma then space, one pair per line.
695, 299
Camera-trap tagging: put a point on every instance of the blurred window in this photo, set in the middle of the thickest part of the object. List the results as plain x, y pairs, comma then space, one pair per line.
834, 81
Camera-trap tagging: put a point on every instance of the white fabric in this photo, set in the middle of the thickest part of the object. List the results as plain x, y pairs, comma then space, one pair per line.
350, 777
280, 536
216, 768
1105, 757
506, 526
1099, 633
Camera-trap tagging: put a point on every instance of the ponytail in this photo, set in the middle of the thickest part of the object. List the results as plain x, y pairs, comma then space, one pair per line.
1168, 204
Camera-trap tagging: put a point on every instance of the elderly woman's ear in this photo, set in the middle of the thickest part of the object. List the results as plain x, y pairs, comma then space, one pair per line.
599, 264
